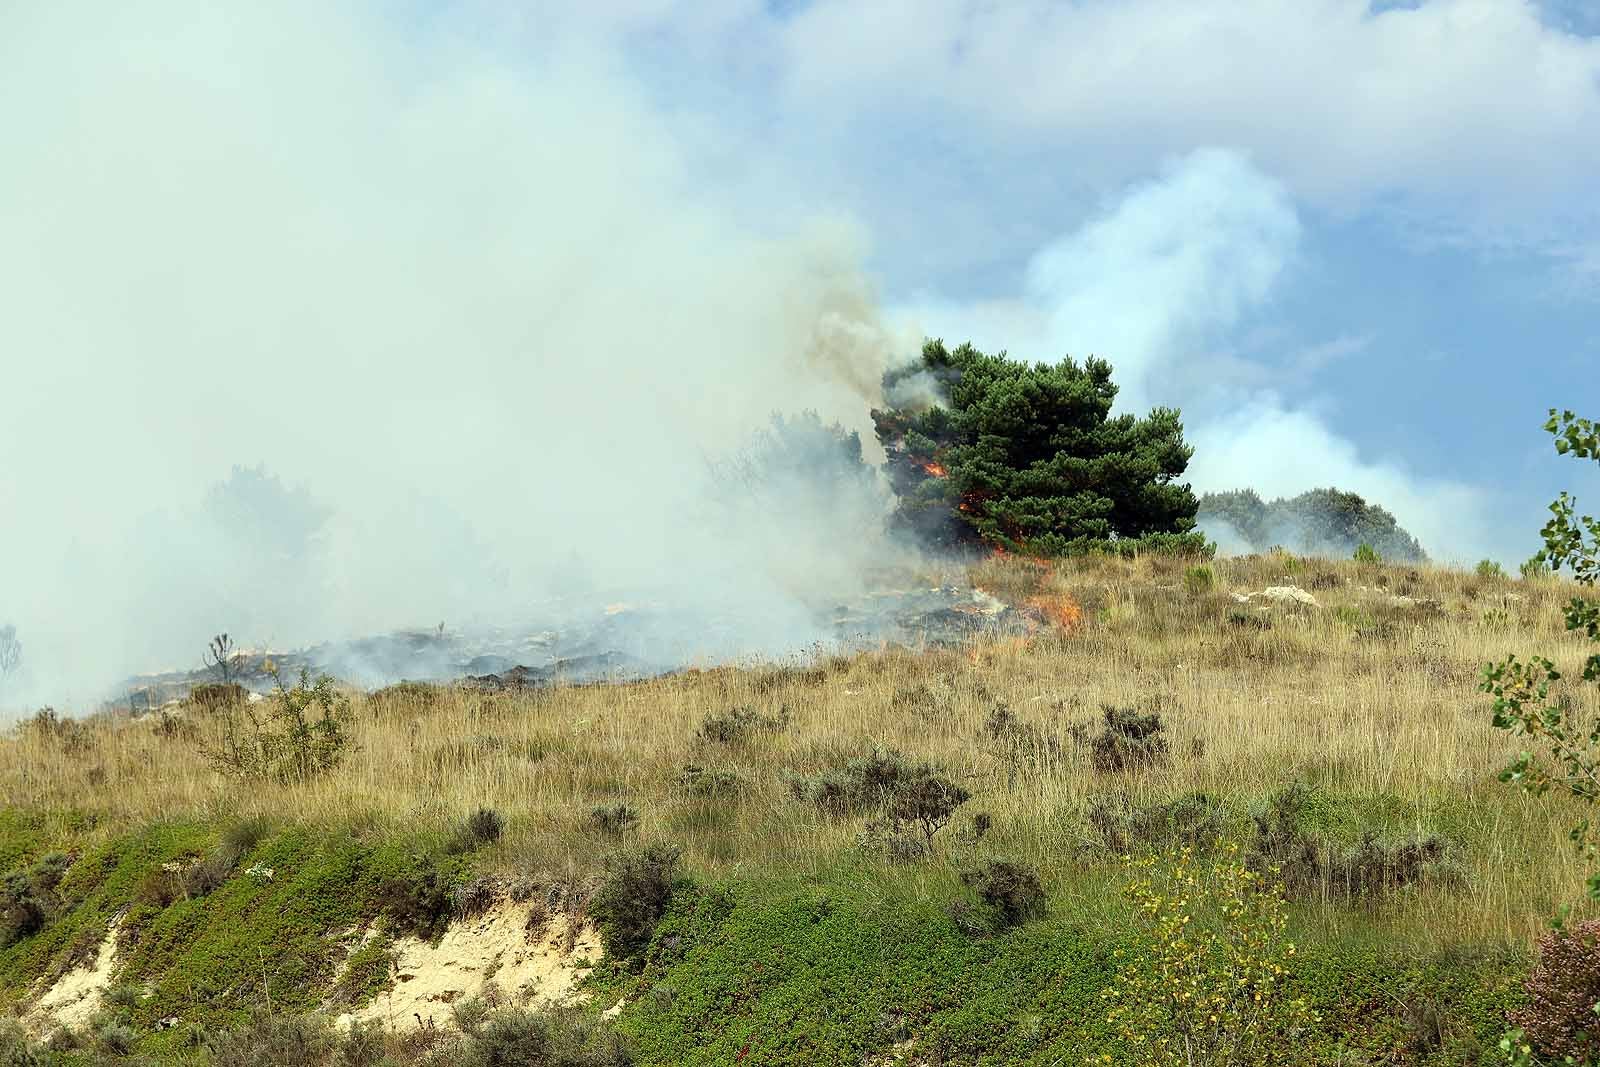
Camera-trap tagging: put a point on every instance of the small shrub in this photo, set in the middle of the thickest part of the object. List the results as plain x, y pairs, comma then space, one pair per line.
300, 735
1325, 580
118, 1038
412, 695
1199, 580
633, 896
1011, 890
16, 1050
1488, 568
1193, 820
1129, 741
1017, 744
1247, 620
419, 902
1535, 568
1559, 1018
555, 1037
1365, 553
281, 1040
1310, 864
861, 784
28, 897
1208, 981
72, 736
739, 724
700, 781
363, 1046
482, 827
927, 802
613, 819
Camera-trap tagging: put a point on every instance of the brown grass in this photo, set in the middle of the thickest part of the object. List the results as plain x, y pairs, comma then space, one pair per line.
1370, 698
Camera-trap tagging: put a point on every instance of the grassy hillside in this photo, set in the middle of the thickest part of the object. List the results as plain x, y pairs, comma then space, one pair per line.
1342, 743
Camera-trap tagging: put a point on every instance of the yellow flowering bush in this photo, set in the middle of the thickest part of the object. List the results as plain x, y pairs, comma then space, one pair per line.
1208, 984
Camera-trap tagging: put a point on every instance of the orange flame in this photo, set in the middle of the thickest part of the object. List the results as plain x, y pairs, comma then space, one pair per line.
934, 469
1060, 609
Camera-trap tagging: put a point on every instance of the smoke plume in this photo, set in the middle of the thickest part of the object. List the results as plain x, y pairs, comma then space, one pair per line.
315, 329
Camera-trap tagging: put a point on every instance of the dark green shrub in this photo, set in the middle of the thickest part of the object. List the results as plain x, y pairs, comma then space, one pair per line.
1011, 890
482, 827
1129, 741
366, 974
927, 801
28, 897
280, 1040
738, 724
633, 896
614, 819
420, 901
861, 784
1193, 820
1310, 864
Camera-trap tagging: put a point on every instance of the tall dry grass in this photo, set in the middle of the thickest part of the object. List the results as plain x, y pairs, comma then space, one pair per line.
1369, 697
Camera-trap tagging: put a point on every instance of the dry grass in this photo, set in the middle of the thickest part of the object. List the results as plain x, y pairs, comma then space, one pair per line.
1373, 699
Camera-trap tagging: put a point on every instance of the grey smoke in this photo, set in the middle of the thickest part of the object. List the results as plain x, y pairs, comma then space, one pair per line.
474, 322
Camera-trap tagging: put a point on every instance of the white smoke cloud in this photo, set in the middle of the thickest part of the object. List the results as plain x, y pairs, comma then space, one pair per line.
494, 316
1158, 284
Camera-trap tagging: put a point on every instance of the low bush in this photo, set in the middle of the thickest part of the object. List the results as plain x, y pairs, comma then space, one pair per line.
301, 733
1128, 741
482, 827
700, 781
613, 819
420, 901
1193, 820
28, 897
1365, 553
280, 1040
1019, 745
556, 1037
861, 784
1311, 864
633, 896
739, 724
214, 696
1199, 580
1011, 891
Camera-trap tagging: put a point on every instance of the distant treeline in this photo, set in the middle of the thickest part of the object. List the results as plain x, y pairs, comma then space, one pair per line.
1320, 522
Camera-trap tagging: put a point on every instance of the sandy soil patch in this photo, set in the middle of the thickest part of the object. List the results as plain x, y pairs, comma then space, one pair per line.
75, 996
497, 948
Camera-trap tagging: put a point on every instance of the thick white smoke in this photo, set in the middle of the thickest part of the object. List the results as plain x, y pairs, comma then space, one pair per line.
492, 317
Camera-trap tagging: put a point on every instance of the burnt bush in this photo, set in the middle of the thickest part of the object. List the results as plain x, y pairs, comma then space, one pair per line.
633, 896
1010, 890
214, 696
613, 819
738, 724
1559, 1018
72, 736
1129, 740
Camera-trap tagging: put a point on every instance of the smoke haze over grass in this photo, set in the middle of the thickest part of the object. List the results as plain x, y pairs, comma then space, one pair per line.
481, 324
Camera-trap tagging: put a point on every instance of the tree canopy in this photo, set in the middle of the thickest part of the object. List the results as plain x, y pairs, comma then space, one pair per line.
1322, 521
985, 450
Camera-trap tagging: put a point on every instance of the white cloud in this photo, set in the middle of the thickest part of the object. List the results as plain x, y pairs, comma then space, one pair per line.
1467, 114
